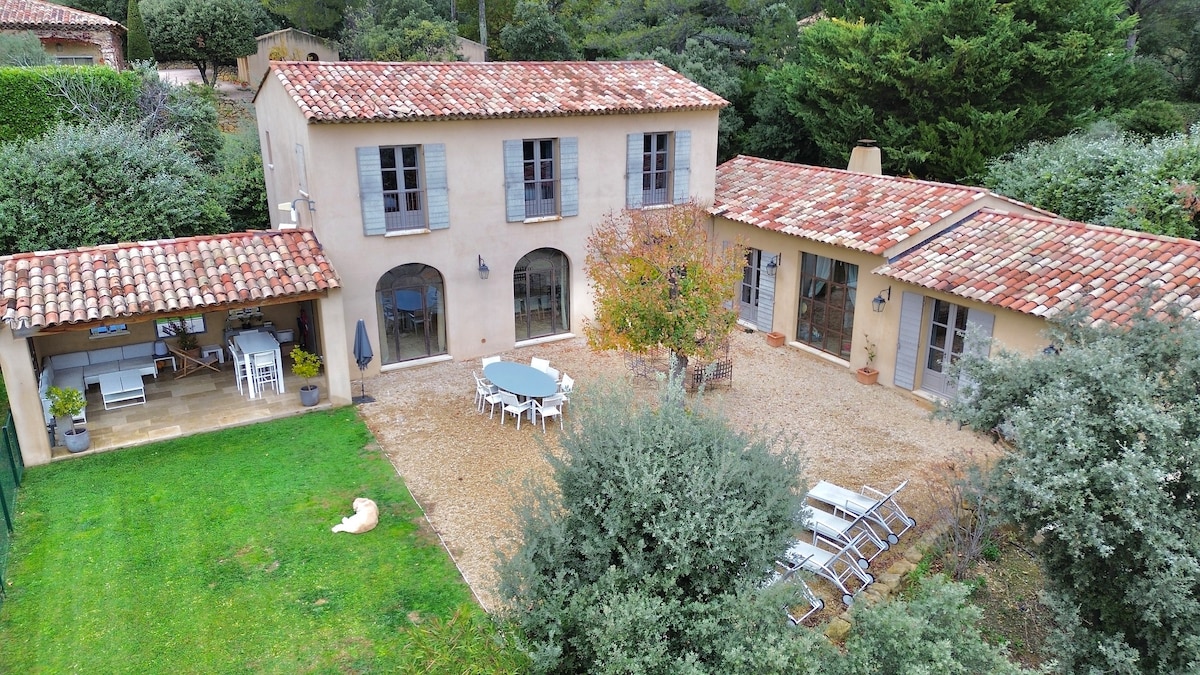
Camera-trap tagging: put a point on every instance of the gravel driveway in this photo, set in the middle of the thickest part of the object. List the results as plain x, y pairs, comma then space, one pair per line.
464, 468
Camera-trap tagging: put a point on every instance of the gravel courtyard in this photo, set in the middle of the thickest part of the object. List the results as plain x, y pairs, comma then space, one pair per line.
465, 468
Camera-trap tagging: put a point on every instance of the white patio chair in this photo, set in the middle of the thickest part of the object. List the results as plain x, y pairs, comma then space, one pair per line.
485, 392
845, 529
264, 371
540, 364
833, 561
489, 360
877, 507
552, 372
239, 365
550, 406
513, 407
565, 386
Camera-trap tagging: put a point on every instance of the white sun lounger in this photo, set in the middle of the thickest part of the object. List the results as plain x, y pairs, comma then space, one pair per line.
836, 562
845, 530
869, 503
788, 576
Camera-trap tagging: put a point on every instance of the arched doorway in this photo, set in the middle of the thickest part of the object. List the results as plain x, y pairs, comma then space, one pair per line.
410, 304
541, 294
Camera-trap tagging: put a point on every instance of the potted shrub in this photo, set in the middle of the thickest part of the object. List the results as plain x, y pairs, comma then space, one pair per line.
185, 340
775, 338
307, 365
65, 404
868, 374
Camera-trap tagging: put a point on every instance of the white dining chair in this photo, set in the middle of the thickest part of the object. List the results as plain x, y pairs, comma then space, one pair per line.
565, 386
552, 372
264, 371
239, 366
550, 406
540, 364
489, 360
513, 407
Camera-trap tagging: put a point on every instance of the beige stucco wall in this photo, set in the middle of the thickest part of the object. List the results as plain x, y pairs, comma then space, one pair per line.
288, 44
1012, 330
105, 47
479, 313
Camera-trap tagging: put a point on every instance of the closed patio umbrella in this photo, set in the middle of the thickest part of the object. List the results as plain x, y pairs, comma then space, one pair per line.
362, 356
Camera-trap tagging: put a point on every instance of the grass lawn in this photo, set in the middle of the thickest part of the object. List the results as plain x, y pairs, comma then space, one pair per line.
212, 554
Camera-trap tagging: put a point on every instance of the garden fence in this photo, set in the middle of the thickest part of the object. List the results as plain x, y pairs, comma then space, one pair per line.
12, 469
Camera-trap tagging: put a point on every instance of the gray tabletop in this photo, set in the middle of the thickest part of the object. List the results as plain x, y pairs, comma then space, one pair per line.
520, 379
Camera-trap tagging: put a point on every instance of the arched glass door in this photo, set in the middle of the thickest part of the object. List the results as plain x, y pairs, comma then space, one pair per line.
410, 305
541, 294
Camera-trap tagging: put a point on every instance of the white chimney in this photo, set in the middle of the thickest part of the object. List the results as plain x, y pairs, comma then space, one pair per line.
865, 158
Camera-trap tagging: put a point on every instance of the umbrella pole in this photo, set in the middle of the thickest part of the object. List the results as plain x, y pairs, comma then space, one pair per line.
362, 388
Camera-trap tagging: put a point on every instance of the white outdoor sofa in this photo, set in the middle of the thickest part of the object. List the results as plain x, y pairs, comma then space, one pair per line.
79, 370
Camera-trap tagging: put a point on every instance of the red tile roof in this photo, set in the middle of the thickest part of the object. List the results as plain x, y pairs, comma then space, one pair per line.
131, 279
388, 92
1040, 266
859, 211
27, 14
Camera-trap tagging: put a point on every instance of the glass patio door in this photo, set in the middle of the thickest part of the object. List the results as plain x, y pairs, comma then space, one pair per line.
947, 336
540, 295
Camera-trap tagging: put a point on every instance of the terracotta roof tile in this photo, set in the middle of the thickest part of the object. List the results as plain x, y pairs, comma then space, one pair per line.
1042, 266
115, 281
864, 212
26, 14
351, 91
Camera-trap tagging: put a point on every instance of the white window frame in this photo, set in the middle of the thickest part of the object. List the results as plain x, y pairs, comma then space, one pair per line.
405, 205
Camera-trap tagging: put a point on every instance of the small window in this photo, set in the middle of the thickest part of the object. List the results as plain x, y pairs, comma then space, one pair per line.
403, 188
110, 329
75, 60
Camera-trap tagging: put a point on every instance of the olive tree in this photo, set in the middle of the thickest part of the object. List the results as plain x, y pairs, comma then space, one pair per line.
1104, 475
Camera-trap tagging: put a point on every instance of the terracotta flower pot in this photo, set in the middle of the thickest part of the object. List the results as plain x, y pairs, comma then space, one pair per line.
867, 375
775, 339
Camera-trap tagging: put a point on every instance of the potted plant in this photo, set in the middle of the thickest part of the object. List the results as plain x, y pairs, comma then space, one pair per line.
307, 365
868, 374
185, 340
65, 404
775, 338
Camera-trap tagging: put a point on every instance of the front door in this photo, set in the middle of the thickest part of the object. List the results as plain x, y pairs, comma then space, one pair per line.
947, 336
748, 299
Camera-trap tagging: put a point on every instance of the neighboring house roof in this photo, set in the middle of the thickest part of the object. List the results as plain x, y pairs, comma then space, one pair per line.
266, 37
408, 92
33, 14
1041, 266
859, 211
126, 280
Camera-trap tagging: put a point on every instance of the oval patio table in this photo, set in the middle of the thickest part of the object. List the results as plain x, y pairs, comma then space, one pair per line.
520, 379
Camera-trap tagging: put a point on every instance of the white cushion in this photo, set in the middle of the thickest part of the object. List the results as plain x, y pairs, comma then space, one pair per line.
104, 355
70, 360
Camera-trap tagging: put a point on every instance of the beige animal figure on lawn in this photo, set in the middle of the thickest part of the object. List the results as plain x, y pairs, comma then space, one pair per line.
366, 516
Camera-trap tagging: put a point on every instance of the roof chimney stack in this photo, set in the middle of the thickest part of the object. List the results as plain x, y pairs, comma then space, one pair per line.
865, 158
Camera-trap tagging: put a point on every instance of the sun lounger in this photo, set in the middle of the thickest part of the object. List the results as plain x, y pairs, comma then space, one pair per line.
788, 576
845, 530
836, 562
881, 509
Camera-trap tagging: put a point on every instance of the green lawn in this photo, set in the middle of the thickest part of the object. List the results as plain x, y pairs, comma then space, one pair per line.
212, 554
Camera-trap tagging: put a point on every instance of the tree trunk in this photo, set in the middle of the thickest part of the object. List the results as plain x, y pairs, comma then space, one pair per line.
483, 26
679, 368
202, 66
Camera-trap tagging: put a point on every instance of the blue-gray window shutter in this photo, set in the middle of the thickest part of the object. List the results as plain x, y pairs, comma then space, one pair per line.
514, 181
764, 319
978, 341
437, 193
634, 149
681, 188
370, 191
911, 306
568, 150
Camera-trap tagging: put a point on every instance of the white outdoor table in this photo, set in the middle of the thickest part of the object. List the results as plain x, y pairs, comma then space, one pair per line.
259, 343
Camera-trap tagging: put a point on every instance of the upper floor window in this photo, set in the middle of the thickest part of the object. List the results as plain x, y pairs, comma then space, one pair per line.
403, 188
656, 169
403, 191
541, 186
541, 178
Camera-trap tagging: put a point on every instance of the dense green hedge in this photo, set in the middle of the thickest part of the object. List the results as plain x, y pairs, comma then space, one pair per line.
29, 106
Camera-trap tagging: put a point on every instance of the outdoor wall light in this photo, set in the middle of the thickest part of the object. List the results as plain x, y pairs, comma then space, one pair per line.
772, 265
483, 269
878, 302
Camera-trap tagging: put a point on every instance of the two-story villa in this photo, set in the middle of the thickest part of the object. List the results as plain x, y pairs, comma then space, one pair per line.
456, 199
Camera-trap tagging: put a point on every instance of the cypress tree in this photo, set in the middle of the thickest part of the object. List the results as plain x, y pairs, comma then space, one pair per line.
137, 43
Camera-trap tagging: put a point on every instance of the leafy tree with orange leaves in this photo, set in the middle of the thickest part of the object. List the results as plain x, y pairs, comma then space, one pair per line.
658, 280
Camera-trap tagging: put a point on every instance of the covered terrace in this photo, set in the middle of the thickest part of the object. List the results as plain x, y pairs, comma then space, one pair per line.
100, 304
